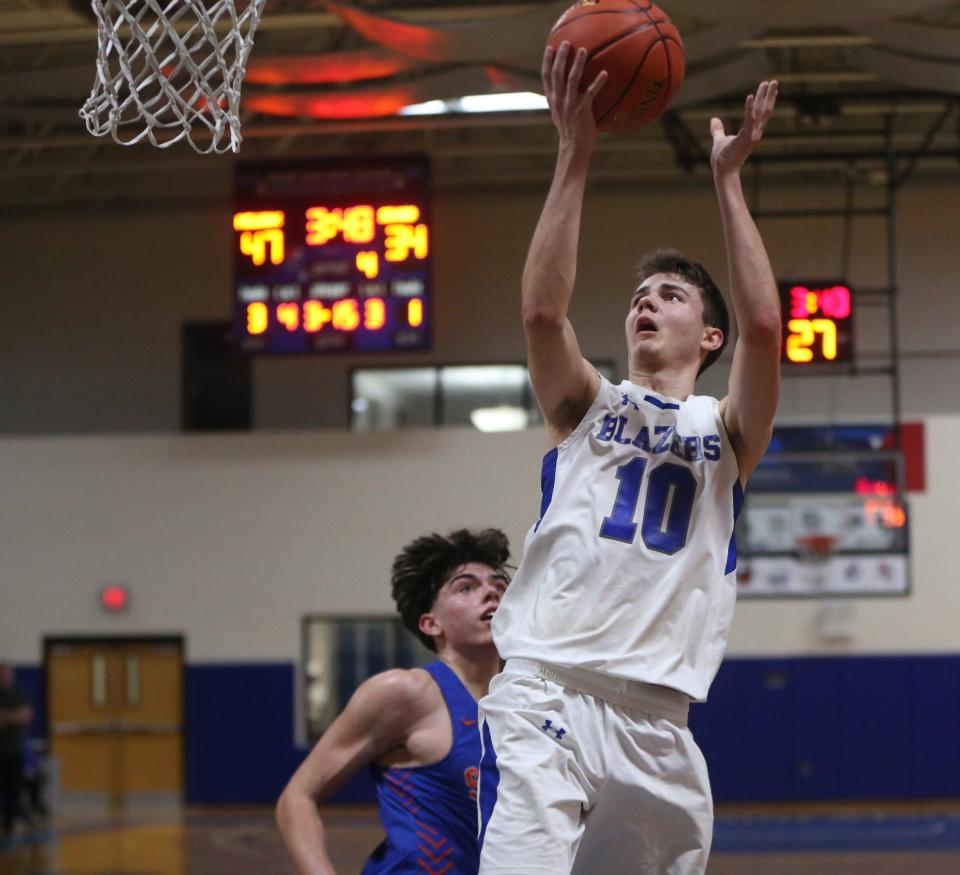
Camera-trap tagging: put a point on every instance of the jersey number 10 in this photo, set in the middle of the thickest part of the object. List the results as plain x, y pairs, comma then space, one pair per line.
666, 510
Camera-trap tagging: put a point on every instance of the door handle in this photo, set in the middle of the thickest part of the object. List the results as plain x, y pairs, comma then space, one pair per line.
146, 728
82, 727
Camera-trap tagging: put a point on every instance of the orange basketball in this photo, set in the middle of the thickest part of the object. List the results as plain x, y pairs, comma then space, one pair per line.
638, 46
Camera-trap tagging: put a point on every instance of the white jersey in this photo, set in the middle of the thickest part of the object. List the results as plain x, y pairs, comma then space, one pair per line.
631, 569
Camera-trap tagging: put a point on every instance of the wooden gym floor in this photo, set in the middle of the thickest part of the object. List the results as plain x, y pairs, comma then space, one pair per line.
875, 840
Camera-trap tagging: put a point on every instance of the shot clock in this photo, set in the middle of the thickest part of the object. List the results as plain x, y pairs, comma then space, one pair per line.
817, 322
332, 256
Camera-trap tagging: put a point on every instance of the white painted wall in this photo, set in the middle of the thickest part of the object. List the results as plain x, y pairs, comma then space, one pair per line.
230, 540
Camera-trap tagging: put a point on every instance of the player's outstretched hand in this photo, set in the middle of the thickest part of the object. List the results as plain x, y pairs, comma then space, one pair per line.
730, 151
572, 112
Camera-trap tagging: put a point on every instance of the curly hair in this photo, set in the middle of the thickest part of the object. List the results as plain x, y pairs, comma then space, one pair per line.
424, 565
715, 312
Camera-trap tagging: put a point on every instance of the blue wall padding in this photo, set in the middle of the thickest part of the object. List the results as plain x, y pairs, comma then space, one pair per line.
791, 728
240, 735
239, 732
839, 727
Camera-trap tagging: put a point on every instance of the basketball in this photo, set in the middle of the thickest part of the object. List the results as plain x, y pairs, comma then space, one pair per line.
638, 46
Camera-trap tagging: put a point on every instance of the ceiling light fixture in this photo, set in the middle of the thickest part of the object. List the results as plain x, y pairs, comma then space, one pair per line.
515, 101
503, 417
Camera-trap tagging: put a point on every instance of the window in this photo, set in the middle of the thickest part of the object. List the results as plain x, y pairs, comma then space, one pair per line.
489, 397
340, 654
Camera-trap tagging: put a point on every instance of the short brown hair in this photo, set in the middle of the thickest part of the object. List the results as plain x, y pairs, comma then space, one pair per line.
715, 313
424, 565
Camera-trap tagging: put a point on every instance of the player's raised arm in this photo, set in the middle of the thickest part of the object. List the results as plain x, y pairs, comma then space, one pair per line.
563, 381
376, 720
749, 407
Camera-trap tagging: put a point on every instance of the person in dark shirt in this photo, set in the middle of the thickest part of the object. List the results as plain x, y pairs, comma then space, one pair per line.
15, 716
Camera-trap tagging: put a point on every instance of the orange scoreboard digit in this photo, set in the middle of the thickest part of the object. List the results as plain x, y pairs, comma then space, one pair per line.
332, 256
817, 322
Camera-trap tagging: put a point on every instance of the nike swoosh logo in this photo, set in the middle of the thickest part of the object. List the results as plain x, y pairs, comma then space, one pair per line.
468, 722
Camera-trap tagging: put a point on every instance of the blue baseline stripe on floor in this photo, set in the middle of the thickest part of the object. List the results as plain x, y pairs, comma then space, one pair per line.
880, 832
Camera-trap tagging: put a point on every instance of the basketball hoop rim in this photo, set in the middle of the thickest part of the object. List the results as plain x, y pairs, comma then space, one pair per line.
816, 546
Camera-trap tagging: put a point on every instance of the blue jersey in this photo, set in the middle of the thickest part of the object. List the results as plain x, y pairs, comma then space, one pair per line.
429, 813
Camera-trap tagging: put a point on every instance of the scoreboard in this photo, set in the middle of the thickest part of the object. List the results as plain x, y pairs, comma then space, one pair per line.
817, 322
332, 256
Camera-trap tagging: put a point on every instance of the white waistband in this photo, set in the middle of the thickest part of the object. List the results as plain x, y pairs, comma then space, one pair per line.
652, 698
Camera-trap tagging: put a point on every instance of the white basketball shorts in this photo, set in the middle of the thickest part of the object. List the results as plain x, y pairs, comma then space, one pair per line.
587, 774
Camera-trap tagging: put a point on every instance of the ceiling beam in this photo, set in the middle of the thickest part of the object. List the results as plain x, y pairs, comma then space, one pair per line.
70, 30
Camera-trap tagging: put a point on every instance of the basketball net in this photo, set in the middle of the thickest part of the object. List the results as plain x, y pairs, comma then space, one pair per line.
169, 70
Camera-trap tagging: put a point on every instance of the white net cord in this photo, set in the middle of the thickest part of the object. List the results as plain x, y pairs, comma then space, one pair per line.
169, 70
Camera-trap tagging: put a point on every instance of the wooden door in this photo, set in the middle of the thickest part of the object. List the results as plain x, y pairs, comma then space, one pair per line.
151, 718
116, 716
